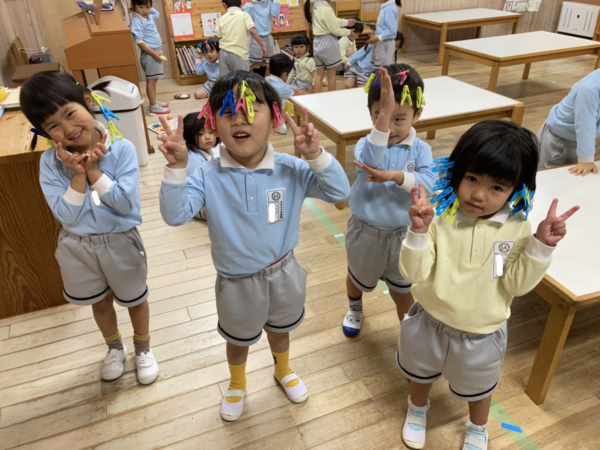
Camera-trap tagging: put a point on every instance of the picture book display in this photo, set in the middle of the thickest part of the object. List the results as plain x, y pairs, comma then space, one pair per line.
210, 22
283, 21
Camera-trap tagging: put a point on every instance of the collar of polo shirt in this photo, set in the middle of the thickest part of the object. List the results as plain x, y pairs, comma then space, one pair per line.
500, 217
410, 139
268, 162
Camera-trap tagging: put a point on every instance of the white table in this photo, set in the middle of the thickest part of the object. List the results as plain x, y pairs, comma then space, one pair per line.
453, 20
515, 49
572, 282
344, 118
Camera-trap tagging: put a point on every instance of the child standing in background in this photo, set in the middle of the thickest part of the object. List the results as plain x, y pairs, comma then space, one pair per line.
384, 40
210, 50
325, 28
148, 40
302, 76
92, 187
359, 68
348, 45
390, 162
232, 34
261, 12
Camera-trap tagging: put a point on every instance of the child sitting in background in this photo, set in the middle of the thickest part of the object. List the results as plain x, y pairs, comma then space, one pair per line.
302, 76
348, 45
280, 67
261, 12
361, 68
390, 162
210, 50
148, 40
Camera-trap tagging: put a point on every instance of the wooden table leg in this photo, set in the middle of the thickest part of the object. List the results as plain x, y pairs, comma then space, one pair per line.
516, 26
405, 33
477, 32
443, 39
517, 114
526, 71
494, 77
340, 155
598, 60
298, 120
446, 64
431, 134
556, 331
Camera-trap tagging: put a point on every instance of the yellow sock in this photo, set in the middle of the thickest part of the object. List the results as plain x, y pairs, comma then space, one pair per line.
282, 366
238, 380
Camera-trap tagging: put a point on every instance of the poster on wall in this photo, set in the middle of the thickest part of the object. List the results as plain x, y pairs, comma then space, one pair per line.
182, 25
210, 22
183, 6
283, 21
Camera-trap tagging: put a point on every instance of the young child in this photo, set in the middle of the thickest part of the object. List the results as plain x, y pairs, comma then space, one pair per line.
466, 266
148, 40
92, 187
348, 45
302, 76
232, 34
326, 27
384, 39
396, 160
254, 199
280, 67
360, 68
261, 12
210, 50
569, 134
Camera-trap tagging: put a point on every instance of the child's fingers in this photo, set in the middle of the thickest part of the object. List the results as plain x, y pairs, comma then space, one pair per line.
304, 118
422, 195
291, 123
414, 196
166, 126
569, 213
180, 125
310, 129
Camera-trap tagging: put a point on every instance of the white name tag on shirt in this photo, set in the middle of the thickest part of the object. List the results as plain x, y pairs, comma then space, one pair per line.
96, 198
408, 166
298, 69
501, 251
275, 205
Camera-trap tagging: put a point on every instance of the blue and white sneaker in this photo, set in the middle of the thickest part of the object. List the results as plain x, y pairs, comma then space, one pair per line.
477, 437
352, 323
415, 425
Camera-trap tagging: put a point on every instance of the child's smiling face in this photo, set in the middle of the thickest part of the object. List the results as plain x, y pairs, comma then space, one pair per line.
143, 10
299, 50
401, 120
72, 125
482, 195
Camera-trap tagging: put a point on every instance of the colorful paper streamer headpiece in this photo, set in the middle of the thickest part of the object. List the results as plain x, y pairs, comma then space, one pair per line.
420, 98
210, 123
522, 200
406, 96
369, 83
108, 115
277, 118
229, 102
447, 201
403, 76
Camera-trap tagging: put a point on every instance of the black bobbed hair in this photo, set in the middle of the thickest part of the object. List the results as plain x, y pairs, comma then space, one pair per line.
192, 126
264, 92
413, 81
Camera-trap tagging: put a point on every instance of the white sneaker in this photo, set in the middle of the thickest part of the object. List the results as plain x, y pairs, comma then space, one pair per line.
415, 425
297, 393
477, 437
147, 367
282, 130
232, 411
157, 109
162, 104
352, 323
113, 364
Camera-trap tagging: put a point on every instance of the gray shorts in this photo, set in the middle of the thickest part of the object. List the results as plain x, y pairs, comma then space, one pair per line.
428, 349
326, 49
354, 72
255, 51
383, 53
94, 266
272, 299
301, 84
152, 68
554, 150
208, 86
228, 62
374, 255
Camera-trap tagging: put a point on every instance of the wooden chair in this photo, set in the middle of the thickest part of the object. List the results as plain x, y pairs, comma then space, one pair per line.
22, 70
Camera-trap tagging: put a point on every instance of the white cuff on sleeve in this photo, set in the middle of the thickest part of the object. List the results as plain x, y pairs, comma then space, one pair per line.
345, 22
409, 181
102, 185
249, 5
585, 159
175, 176
538, 250
380, 37
73, 197
321, 162
416, 241
137, 41
378, 138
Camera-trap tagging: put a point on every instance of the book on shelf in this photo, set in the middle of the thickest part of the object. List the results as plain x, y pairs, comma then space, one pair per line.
186, 58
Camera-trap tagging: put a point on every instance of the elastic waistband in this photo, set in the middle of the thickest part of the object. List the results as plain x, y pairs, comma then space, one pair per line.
379, 234
275, 267
450, 330
280, 259
97, 239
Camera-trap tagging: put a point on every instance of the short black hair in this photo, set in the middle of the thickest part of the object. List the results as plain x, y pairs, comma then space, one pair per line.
140, 3
357, 27
232, 3
264, 92
499, 149
280, 64
302, 39
400, 39
211, 43
45, 92
192, 127
413, 81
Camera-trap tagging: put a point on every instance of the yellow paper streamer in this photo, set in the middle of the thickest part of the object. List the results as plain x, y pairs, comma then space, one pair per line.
420, 98
451, 211
247, 93
406, 96
369, 83
112, 129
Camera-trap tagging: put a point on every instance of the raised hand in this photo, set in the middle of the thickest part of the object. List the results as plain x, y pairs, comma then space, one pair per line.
306, 138
420, 213
75, 163
95, 155
381, 175
173, 145
553, 228
388, 100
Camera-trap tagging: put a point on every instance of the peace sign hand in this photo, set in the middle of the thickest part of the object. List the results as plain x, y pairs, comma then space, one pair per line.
306, 138
553, 229
74, 162
173, 145
420, 213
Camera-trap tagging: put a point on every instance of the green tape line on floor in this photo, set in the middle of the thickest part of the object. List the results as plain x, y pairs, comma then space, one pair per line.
550, 81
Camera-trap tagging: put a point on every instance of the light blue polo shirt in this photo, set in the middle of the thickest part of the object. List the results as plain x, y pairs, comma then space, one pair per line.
387, 21
144, 30
261, 13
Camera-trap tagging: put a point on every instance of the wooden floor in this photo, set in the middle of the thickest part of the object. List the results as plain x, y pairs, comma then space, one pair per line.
51, 395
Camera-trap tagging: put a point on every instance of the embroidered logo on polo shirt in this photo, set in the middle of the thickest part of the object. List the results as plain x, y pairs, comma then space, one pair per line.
275, 205
501, 251
408, 166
